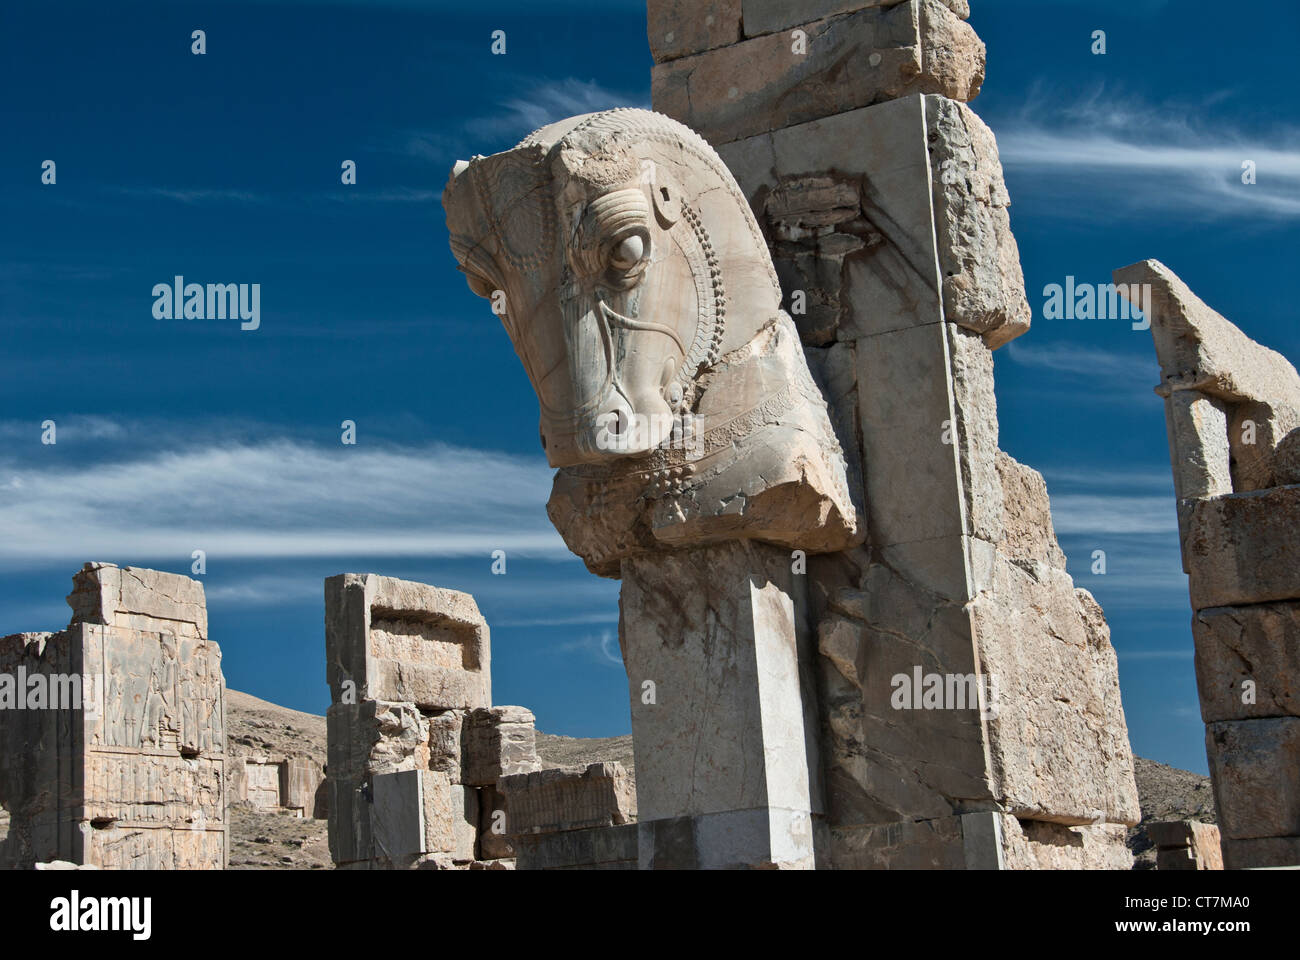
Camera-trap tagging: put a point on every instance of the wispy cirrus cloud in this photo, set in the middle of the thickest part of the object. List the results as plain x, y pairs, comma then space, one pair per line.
551, 101
276, 498
1131, 158
1084, 361
217, 196
1106, 500
1128, 515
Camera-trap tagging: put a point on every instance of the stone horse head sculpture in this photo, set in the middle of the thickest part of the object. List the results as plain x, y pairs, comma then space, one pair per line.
639, 294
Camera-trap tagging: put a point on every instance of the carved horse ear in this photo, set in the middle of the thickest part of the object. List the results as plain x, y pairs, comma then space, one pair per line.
667, 200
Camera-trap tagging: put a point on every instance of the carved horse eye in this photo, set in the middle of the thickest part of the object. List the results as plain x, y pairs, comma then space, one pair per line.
628, 252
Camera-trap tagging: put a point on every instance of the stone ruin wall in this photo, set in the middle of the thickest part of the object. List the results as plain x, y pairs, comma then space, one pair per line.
295, 784
423, 771
1232, 409
135, 777
883, 203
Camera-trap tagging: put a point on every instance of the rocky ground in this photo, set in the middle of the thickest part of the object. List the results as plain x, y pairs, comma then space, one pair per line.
1166, 793
265, 840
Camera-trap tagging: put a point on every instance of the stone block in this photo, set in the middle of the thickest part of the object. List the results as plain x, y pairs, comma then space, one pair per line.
983, 286
724, 662
754, 839
119, 728
1197, 424
1041, 845
1286, 459
1186, 845
451, 817
887, 759
841, 63
679, 28
138, 599
595, 848
1248, 661
445, 748
1028, 535
1201, 351
1255, 766
402, 641
498, 742
128, 736
1261, 853
567, 798
1241, 548
1058, 741
398, 817
300, 779
935, 844
769, 16
846, 204
367, 739
887, 217
495, 841
910, 450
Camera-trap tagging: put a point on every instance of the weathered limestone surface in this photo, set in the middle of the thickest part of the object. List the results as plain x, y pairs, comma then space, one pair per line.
900, 205
1261, 852
888, 224
568, 798
983, 286
1255, 766
495, 841
725, 739
595, 848
1232, 408
1058, 742
682, 410
889, 232
1241, 548
678, 28
435, 784
499, 742
277, 782
1039, 845
1202, 352
696, 456
123, 764
1248, 661
402, 641
1186, 845
849, 60
412, 733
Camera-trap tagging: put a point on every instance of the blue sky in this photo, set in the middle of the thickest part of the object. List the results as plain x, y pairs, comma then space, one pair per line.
176, 435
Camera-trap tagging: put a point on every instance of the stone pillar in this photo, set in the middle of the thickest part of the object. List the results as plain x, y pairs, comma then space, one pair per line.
715, 644
944, 641
696, 458
1232, 408
414, 741
121, 761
